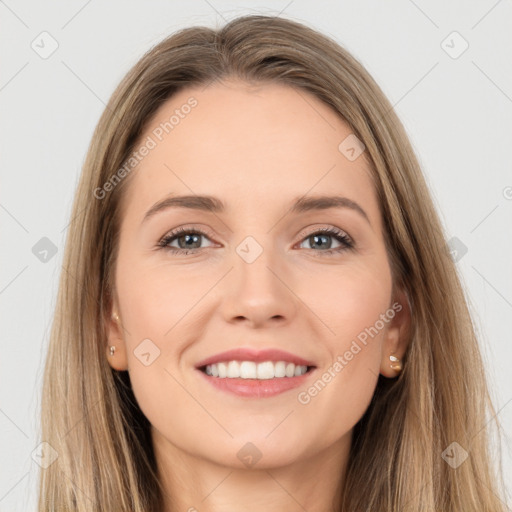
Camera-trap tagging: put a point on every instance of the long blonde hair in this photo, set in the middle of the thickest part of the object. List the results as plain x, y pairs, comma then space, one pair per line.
397, 462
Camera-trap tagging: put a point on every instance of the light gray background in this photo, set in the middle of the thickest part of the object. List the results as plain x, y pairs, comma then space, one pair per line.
457, 111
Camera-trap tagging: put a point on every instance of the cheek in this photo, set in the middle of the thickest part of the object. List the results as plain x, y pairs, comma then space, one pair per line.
355, 310
155, 303
349, 301
157, 298
159, 308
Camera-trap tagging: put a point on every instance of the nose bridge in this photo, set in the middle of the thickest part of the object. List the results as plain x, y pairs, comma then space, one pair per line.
258, 292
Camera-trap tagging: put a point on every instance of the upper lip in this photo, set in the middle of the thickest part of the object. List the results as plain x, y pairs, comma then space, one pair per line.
258, 356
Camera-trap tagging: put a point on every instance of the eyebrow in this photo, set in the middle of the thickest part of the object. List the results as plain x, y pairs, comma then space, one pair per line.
215, 205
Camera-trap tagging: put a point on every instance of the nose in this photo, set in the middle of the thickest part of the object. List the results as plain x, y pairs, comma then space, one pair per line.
259, 293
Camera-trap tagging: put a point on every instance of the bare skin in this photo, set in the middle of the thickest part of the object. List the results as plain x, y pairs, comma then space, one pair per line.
257, 149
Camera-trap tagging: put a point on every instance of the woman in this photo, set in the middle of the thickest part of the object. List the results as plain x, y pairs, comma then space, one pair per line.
258, 308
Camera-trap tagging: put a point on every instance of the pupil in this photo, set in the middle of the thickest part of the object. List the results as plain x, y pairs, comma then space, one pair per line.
316, 238
190, 239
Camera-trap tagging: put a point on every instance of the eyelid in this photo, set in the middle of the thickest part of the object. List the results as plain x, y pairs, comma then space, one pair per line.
343, 238
302, 234
187, 228
306, 232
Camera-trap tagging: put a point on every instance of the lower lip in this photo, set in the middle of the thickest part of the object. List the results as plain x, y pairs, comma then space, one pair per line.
255, 388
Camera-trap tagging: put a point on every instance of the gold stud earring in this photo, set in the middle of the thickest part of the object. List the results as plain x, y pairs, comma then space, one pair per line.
396, 364
112, 350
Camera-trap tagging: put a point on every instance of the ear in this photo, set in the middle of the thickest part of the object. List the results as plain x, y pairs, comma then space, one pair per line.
397, 335
115, 337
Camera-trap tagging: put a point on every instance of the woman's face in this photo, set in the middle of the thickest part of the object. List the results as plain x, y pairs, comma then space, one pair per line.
256, 274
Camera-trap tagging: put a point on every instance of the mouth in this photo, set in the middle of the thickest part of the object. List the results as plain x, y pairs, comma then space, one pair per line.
250, 373
251, 370
255, 374
245, 379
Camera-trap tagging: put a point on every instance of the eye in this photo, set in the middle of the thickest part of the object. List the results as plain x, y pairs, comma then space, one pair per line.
188, 240
322, 238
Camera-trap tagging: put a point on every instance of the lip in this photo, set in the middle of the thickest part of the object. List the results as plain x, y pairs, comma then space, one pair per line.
255, 388
257, 356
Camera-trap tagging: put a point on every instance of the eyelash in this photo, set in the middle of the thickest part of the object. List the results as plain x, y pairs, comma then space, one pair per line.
338, 234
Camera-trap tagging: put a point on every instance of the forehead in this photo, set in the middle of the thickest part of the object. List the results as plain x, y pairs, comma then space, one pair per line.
251, 144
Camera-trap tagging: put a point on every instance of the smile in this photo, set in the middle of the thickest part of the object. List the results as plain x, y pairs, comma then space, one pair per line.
252, 370
248, 379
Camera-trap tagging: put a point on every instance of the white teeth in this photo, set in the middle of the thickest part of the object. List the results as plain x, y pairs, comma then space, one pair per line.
233, 369
280, 369
266, 370
248, 370
252, 370
223, 370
